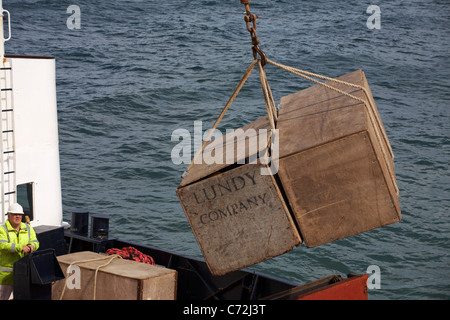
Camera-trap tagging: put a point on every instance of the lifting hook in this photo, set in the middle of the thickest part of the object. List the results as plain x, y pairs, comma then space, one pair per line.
251, 18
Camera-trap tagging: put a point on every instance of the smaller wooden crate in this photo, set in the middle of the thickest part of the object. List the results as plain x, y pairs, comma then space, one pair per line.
237, 214
120, 280
336, 164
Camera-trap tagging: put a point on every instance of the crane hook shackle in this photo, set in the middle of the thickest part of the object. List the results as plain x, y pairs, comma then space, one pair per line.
251, 18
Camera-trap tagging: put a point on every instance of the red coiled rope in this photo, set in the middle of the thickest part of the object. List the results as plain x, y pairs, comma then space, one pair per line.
131, 254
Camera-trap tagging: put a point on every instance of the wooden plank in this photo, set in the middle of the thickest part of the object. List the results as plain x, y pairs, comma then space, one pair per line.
336, 165
337, 190
234, 147
330, 119
319, 101
238, 218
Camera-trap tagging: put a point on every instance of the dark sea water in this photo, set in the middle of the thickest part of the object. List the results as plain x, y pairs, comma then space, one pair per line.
138, 70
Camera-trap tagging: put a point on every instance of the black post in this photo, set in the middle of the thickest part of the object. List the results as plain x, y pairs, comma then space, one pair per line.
34, 275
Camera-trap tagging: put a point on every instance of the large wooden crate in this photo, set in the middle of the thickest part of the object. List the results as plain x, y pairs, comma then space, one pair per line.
120, 280
237, 215
336, 164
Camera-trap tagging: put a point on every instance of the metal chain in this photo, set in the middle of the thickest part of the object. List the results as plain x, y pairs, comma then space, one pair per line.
251, 18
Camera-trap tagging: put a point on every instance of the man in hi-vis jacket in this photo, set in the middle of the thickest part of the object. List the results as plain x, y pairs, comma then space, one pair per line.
16, 240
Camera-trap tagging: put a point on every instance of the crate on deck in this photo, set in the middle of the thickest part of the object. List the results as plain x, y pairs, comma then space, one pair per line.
119, 280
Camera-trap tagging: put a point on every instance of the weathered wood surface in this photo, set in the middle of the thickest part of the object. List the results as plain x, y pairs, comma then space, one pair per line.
230, 149
120, 280
336, 165
238, 218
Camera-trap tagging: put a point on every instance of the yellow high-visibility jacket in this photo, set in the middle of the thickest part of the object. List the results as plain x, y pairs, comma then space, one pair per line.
11, 244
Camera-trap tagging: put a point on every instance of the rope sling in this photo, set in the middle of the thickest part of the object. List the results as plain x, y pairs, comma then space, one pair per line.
268, 97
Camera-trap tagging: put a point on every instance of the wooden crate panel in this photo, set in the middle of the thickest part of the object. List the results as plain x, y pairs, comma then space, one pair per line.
238, 218
318, 115
336, 165
338, 190
120, 280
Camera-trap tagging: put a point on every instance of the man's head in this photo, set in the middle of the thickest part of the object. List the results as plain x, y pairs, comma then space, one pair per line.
15, 214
